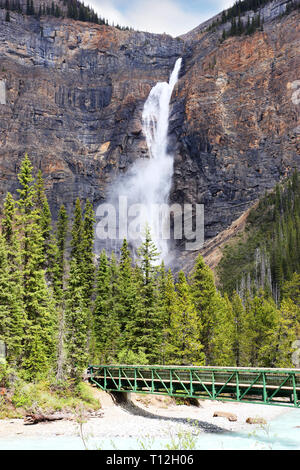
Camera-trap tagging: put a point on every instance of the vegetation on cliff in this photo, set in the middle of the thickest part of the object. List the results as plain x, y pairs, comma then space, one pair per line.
73, 9
255, 22
260, 271
267, 255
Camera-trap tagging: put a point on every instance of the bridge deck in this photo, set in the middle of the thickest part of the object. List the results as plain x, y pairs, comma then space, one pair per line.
262, 385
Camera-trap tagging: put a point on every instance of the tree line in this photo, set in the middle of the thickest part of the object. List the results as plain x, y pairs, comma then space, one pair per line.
61, 307
71, 9
269, 254
254, 23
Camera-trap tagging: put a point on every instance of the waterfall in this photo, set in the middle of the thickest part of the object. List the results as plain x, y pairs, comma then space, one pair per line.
143, 190
153, 178
146, 185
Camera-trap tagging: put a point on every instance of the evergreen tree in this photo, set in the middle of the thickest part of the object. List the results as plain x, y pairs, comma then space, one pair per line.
88, 264
76, 324
61, 237
87, 244
264, 321
247, 347
58, 282
9, 210
106, 321
41, 203
12, 314
39, 347
238, 313
203, 291
79, 289
291, 289
126, 297
277, 350
77, 233
166, 301
222, 343
146, 327
170, 305
184, 346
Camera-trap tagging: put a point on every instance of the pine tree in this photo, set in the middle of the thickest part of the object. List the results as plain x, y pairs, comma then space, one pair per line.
277, 350
88, 264
146, 327
164, 281
264, 320
76, 324
58, 268
238, 313
184, 346
203, 290
291, 289
126, 298
247, 331
222, 342
106, 322
79, 291
9, 210
40, 343
61, 240
87, 244
12, 314
42, 205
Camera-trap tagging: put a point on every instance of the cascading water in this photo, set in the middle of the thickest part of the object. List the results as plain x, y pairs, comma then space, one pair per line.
148, 182
155, 176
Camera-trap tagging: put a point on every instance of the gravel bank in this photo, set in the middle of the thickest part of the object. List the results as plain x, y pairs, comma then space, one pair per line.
146, 417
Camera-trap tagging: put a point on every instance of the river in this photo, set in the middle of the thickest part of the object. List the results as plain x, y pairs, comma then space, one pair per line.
281, 433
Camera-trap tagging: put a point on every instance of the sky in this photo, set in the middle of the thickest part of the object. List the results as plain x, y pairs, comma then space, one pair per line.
174, 17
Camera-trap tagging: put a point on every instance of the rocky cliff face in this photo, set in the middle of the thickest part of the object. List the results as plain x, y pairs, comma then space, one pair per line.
72, 93
239, 120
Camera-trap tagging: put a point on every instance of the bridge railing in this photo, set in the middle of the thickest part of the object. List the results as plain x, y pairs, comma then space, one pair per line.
262, 385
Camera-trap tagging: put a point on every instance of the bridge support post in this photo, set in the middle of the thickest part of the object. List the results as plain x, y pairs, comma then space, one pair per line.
191, 384
237, 386
213, 388
265, 395
120, 398
294, 396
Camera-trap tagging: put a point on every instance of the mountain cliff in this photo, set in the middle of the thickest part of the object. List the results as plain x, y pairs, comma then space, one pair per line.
72, 94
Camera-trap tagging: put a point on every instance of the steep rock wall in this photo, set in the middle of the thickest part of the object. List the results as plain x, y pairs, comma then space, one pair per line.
238, 127
74, 97
72, 93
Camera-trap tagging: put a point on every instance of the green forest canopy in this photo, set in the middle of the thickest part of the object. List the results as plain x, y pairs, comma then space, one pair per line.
62, 307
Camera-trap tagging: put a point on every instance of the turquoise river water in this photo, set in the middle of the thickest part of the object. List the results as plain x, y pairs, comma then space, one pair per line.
282, 433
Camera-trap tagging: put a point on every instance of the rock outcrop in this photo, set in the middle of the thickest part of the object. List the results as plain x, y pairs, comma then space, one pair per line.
72, 93
239, 119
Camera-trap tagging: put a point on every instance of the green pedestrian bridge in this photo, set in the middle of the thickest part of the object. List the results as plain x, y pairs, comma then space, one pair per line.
253, 385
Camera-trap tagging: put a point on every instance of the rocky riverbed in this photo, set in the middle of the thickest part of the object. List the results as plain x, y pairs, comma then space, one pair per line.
144, 419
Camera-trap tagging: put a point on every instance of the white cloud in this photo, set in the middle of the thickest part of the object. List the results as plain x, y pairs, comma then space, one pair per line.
157, 16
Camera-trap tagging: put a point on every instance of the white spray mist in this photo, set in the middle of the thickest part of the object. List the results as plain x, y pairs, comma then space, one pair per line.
148, 181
